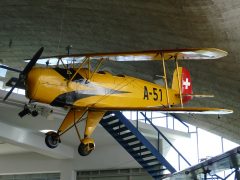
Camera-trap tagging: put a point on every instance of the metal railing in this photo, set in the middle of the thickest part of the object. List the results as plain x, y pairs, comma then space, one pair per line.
160, 118
166, 139
160, 136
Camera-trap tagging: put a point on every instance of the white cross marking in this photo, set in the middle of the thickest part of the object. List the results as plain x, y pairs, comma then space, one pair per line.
186, 83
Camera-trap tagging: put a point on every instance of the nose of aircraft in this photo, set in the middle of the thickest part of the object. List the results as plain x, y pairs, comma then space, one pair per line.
32, 81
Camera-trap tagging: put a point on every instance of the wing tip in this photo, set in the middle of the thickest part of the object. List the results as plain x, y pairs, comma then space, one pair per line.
227, 111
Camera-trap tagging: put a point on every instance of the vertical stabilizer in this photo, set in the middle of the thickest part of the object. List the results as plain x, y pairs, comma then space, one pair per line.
185, 83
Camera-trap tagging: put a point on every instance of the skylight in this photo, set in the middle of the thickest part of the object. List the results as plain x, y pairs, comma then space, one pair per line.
3, 72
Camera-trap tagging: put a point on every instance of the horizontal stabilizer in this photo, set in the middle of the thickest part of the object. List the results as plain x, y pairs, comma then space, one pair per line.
174, 110
198, 95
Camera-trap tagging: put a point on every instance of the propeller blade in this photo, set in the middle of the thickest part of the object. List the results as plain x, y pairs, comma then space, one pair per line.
33, 61
10, 92
10, 69
26, 70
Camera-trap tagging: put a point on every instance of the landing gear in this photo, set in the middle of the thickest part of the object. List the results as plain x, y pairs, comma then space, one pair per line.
73, 117
86, 147
52, 139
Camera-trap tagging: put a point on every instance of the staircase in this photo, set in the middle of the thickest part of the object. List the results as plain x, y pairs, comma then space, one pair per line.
136, 145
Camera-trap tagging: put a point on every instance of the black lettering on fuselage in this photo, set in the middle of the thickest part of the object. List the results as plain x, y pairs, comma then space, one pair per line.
155, 94
145, 94
160, 91
155, 98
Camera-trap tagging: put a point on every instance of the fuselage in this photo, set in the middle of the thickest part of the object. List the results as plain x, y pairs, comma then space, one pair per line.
100, 89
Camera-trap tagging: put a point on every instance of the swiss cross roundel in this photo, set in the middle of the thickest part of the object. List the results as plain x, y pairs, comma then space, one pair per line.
186, 85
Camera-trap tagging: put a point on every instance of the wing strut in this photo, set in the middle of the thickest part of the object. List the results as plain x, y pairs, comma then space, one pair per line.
87, 60
99, 64
165, 78
179, 82
84, 61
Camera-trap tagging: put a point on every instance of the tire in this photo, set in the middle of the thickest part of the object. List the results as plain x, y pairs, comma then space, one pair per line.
85, 149
52, 140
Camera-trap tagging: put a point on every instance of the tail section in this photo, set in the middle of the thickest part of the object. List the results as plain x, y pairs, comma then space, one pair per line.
185, 83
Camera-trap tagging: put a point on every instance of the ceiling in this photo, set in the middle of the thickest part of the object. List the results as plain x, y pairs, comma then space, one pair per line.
130, 25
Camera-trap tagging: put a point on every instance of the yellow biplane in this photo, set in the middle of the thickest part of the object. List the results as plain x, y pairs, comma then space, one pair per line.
90, 93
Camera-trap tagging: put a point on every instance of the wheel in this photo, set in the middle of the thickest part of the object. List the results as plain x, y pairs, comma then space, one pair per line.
52, 139
86, 147
34, 113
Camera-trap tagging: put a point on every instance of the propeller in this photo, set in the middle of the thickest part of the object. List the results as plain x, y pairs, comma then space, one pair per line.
23, 74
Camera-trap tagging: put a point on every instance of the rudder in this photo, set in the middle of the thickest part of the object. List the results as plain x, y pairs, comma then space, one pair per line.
185, 83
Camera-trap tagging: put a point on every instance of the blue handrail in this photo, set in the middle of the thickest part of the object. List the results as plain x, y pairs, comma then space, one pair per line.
136, 132
164, 137
181, 121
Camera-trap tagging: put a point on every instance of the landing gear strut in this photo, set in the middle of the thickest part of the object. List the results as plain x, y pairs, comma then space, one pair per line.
73, 117
86, 147
52, 139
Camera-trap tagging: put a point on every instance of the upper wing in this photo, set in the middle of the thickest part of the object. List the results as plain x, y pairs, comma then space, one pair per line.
175, 54
180, 110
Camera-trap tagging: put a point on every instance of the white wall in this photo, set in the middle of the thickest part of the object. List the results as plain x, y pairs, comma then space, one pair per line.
110, 157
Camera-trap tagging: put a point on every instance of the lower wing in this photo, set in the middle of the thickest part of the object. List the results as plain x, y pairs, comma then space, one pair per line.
180, 110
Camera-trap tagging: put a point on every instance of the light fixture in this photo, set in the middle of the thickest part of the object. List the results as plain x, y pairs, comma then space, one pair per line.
47, 130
